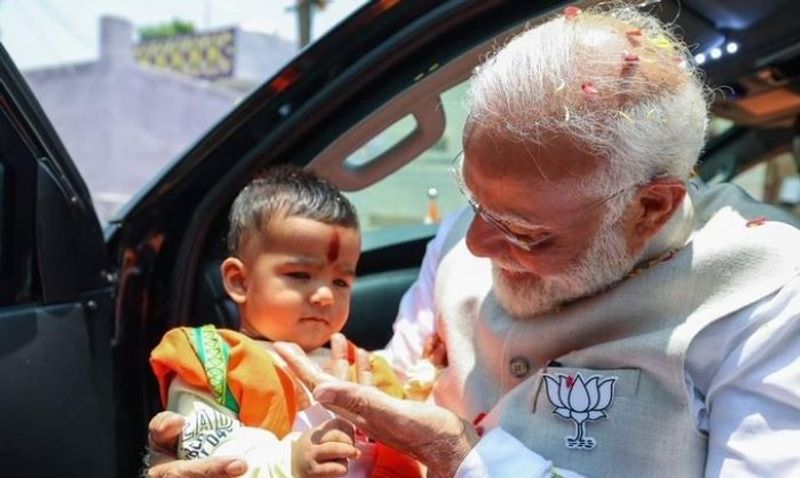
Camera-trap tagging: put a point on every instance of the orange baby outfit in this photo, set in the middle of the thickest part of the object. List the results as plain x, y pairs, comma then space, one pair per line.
243, 377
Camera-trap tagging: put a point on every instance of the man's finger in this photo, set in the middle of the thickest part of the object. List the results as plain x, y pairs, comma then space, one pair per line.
338, 347
366, 378
308, 372
363, 367
340, 369
360, 405
339, 366
216, 467
421, 430
163, 431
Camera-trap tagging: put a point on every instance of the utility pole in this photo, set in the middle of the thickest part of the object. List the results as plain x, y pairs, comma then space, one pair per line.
305, 14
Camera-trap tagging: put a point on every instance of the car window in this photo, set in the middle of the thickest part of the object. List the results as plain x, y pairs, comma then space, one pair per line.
774, 180
131, 86
423, 191
18, 274
717, 126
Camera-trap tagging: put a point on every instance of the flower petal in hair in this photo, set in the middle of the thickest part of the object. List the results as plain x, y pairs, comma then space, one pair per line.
572, 12
588, 88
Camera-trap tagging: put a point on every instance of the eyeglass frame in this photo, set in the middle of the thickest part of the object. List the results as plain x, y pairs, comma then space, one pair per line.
456, 169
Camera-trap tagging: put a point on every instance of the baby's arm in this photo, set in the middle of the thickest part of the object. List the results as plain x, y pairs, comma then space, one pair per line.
213, 430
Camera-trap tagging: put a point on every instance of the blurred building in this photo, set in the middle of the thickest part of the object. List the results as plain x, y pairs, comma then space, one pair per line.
231, 57
138, 107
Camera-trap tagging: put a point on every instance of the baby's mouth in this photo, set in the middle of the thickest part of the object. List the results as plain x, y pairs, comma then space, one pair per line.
321, 320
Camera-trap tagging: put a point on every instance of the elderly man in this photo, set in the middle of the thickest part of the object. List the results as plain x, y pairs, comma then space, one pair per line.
603, 315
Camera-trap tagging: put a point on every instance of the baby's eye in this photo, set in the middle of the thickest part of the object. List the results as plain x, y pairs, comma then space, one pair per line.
299, 275
341, 283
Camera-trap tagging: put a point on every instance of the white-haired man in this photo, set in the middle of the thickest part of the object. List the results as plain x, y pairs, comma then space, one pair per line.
602, 314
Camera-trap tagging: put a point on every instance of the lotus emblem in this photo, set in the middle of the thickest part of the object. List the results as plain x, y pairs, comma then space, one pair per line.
581, 401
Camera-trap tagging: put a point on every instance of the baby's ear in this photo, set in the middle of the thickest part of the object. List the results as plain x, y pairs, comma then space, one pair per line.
234, 279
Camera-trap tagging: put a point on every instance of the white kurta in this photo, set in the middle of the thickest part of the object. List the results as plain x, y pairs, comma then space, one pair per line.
706, 367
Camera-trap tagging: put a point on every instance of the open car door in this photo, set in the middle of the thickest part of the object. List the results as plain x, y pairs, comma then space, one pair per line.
55, 302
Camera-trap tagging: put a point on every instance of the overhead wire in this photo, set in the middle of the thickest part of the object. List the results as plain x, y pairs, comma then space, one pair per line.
65, 24
42, 38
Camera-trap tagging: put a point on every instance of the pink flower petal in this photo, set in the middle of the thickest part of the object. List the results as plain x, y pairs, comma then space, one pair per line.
572, 12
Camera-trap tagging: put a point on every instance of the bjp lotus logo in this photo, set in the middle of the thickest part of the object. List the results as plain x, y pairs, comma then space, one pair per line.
581, 401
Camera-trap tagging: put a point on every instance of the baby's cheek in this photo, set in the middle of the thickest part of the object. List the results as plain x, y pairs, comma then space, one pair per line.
341, 317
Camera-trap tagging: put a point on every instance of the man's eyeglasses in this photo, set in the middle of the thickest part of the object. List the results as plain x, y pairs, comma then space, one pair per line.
523, 234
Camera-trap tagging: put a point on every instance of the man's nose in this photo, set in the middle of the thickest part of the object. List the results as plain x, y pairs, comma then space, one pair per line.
484, 240
322, 296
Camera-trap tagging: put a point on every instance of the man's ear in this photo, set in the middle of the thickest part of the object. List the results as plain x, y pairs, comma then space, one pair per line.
654, 205
234, 279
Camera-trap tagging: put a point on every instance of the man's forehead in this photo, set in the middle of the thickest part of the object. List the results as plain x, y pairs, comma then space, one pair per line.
556, 158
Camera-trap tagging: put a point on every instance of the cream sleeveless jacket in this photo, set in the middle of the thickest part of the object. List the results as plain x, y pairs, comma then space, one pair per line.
599, 386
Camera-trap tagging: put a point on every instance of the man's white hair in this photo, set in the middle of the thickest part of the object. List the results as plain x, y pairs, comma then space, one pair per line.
616, 79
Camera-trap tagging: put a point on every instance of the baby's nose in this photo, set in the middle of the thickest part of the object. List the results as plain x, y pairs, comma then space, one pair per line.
323, 296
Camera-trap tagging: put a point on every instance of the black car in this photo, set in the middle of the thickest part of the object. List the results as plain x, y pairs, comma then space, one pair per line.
374, 104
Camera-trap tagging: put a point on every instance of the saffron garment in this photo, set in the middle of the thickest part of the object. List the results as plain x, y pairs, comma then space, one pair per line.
241, 399
734, 378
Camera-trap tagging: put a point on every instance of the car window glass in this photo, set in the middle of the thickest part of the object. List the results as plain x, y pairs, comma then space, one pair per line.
18, 275
774, 180
382, 142
717, 126
422, 191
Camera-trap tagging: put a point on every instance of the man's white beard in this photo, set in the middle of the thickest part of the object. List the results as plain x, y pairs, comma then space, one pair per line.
605, 263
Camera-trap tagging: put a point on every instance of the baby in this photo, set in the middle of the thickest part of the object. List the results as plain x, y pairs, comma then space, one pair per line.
294, 243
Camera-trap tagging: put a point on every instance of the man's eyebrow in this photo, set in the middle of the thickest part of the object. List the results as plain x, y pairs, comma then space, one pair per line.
509, 217
516, 219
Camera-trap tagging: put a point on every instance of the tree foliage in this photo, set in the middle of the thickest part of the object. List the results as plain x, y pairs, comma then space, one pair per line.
166, 30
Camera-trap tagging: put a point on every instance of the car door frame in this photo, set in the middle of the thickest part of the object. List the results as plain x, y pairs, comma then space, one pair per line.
55, 319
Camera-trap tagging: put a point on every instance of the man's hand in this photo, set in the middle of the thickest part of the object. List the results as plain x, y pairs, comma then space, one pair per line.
340, 363
431, 434
322, 452
164, 430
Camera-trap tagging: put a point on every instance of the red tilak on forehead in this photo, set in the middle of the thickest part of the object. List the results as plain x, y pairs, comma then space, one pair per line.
333, 247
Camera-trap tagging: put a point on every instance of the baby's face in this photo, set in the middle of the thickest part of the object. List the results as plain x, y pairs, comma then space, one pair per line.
298, 281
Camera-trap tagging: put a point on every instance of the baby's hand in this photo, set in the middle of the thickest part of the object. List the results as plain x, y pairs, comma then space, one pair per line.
322, 452
341, 361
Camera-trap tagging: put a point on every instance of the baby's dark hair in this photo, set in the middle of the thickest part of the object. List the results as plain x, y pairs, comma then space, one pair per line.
286, 191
